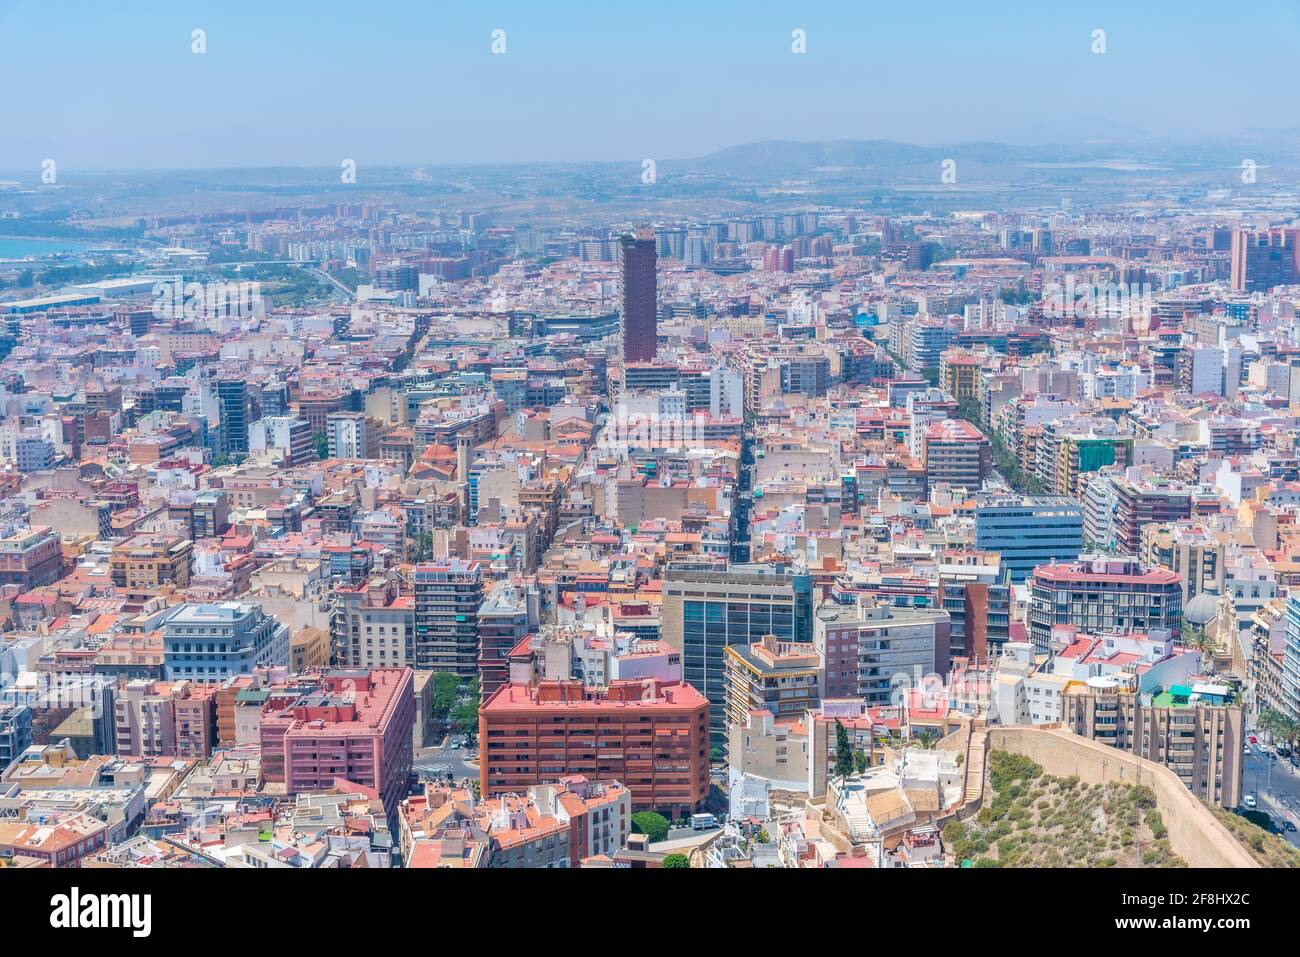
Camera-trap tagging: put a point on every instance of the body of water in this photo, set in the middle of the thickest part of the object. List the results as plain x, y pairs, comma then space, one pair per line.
22, 248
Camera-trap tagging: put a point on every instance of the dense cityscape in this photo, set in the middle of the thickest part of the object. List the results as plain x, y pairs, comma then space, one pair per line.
354, 535
809, 504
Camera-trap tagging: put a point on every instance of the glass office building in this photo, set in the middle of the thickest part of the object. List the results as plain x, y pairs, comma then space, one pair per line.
704, 612
1029, 531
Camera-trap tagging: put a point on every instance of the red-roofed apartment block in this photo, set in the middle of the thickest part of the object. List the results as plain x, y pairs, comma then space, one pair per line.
650, 736
355, 725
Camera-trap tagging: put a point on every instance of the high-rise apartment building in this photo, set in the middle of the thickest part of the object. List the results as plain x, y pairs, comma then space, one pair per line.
957, 454
1262, 260
864, 646
447, 599
285, 435
705, 612
1289, 697
373, 625
1139, 504
650, 736
233, 397
637, 299
397, 277
978, 603
356, 725
1103, 594
1188, 729
30, 557
152, 719
508, 615
15, 732
781, 677
351, 435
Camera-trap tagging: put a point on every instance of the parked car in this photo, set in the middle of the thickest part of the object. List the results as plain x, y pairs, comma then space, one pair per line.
1288, 827
1249, 801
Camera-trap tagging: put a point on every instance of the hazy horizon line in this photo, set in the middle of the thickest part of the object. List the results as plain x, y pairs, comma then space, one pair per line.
1219, 142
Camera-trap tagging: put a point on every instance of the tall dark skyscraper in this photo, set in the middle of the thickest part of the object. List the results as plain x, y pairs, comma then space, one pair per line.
233, 396
636, 273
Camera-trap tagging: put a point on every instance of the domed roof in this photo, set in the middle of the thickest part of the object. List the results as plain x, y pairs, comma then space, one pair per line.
1202, 608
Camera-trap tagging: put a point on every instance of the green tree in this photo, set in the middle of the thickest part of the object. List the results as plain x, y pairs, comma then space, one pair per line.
322, 445
423, 547
87, 272
843, 751
446, 686
1290, 732
1279, 726
715, 755
1271, 721
351, 277
464, 718
651, 824
1198, 639
970, 410
1003, 460
677, 860
860, 762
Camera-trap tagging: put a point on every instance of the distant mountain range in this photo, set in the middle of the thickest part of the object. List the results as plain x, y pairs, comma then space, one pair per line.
792, 158
768, 174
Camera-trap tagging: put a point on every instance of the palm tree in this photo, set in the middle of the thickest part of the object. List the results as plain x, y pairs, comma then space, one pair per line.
1289, 731
1273, 722
1280, 728
1198, 639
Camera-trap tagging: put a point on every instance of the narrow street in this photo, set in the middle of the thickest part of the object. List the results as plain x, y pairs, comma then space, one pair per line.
1275, 785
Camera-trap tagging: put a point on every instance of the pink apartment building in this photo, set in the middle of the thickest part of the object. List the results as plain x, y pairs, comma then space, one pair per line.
356, 725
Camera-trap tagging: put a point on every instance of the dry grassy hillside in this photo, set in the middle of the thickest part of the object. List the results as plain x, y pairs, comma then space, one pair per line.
1037, 820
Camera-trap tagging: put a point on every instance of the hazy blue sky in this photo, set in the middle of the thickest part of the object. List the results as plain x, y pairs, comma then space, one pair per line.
114, 84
